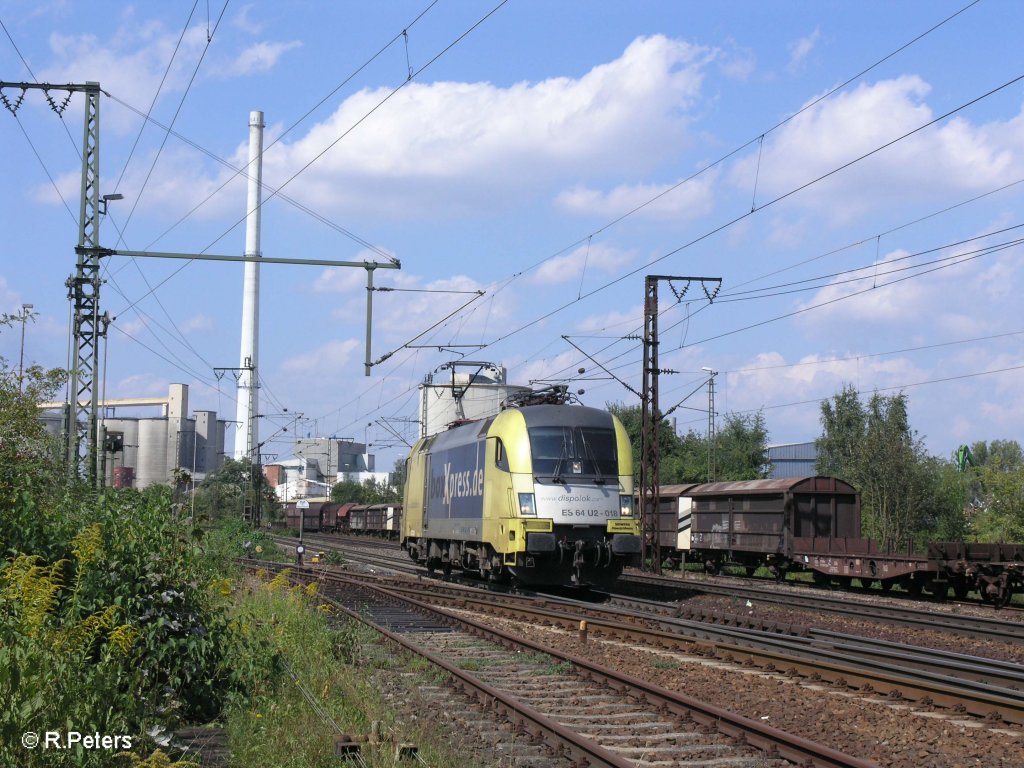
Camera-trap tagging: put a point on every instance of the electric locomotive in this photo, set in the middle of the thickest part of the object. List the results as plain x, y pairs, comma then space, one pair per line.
537, 495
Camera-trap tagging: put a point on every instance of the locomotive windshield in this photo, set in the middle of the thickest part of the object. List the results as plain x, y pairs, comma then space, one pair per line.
564, 453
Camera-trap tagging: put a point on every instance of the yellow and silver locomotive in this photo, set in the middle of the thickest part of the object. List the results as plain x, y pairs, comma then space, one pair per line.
538, 495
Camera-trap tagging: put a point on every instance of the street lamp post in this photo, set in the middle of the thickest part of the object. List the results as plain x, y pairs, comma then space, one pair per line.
21, 357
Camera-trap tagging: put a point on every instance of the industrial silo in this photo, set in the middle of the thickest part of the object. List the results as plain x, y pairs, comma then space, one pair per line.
476, 391
151, 468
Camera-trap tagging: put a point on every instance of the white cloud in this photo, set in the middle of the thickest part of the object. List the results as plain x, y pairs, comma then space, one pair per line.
242, 21
10, 301
140, 385
442, 148
259, 57
615, 321
195, 323
179, 182
737, 62
129, 65
787, 234
769, 379
562, 365
693, 199
598, 257
624, 115
350, 279
945, 299
141, 54
799, 50
953, 156
133, 328
332, 356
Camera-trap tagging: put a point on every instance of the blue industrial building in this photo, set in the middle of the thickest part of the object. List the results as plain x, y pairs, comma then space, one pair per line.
792, 460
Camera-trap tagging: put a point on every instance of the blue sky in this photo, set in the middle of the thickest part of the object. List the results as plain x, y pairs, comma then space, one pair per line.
549, 154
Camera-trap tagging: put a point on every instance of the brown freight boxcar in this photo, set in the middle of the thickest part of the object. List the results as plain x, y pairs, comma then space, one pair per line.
308, 517
755, 522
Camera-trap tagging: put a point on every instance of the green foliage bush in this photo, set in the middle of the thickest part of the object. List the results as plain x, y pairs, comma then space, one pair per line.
114, 612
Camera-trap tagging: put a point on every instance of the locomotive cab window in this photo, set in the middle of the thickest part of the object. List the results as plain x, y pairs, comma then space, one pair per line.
564, 453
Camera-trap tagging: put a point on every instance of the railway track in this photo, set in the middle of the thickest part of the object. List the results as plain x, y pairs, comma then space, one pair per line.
982, 687
978, 627
584, 712
665, 588
961, 683
770, 582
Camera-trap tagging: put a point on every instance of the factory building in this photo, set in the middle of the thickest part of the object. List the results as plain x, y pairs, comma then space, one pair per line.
144, 451
792, 460
319, 463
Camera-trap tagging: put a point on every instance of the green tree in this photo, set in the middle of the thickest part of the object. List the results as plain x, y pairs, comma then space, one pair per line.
942, 489
999, 454
367, 492
873, 448
230, 492
349, 491
631, 417
741, 448
997, 490
398, 474
840, 446
33, 479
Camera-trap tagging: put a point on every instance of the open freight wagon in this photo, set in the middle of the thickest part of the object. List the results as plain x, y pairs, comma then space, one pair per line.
814, 524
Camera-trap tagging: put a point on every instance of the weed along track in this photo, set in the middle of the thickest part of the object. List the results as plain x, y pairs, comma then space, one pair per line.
559, 709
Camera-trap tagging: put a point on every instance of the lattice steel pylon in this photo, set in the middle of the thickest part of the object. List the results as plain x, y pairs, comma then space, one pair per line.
651, 417
88, 325
650, 449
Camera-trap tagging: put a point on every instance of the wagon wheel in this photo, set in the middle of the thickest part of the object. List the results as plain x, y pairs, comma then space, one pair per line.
960, 589
1004, 596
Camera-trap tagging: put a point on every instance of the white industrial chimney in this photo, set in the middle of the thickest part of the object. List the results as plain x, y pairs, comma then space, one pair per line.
247, 436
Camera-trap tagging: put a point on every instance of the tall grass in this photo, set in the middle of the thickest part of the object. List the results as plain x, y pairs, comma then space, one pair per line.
320, 661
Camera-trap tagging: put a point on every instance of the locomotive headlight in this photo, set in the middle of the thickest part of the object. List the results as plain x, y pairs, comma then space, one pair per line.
527, 505
625, 506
